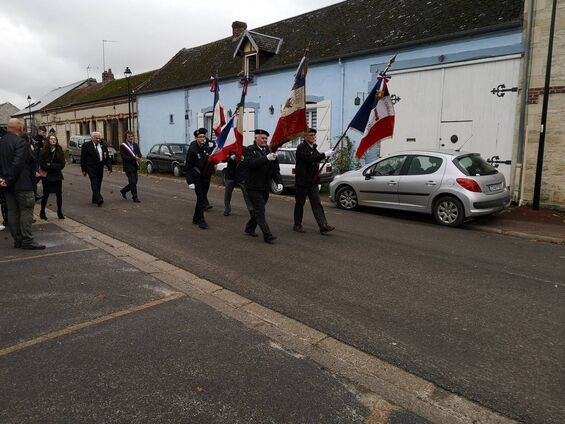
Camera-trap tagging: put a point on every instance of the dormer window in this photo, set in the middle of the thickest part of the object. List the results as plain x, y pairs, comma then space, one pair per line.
250, 64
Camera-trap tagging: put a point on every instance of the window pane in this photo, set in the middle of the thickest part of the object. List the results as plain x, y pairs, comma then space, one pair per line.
390, 166
474, 165
422, 165
154, 149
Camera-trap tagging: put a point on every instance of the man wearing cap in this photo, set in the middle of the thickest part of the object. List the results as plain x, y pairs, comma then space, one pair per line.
198, 174
261, 166
307, 179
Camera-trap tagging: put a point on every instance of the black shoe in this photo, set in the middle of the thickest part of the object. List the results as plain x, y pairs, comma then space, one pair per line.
123, 193
207, 208
226, 213
326, 229
17, 245
60, 215
33, 246
298, 228
42, 215
136, 200
203, 225
100, 202
270, 239
251, 234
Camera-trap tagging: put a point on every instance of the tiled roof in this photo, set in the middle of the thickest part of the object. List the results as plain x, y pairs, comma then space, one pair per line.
265, 43
349, 28
102, 91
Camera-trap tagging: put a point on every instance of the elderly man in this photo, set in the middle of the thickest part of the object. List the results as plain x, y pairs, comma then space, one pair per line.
93, 158
261, 166
198, 174
17, 174
308, 160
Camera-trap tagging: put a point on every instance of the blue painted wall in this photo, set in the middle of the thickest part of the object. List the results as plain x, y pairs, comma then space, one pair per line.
338, 81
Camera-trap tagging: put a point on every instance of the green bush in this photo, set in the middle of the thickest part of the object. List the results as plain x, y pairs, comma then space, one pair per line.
344, 160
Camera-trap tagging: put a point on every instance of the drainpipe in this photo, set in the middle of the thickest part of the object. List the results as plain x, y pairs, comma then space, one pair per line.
521, 150
342, 94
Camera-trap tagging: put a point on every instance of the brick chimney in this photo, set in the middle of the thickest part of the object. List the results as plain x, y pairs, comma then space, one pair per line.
238, 28
107, 76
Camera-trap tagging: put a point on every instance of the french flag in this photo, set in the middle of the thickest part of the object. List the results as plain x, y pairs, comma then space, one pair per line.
229, 140
375, 118
219, 115
292, 123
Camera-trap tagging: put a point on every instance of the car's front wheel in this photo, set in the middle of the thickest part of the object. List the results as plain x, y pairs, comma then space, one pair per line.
346, 198
150, 168
449, 211
177, 171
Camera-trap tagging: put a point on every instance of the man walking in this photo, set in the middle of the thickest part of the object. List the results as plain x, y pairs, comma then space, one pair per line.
307, 179
233, 178
261, 166
93, 158
198, 173
131, 155
17, 174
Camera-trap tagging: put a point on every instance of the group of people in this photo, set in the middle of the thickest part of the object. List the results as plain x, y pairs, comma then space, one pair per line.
253, 174
24, 162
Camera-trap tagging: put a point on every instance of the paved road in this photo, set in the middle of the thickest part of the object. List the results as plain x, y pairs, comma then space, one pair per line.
479, 314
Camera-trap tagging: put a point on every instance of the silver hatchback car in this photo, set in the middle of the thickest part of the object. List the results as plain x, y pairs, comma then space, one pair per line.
451, 185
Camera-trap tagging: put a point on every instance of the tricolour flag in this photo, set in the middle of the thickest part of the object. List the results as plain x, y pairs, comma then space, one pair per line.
292, 123
219, 115
375, 118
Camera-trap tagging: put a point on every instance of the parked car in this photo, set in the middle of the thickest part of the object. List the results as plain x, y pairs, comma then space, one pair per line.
453, 186
287, 164
167, 157
75, 148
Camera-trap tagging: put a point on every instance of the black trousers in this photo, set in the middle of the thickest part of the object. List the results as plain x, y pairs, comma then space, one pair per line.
201, 187
52, 187
258, 198
313, 194
96, 177
4, 208
132, 182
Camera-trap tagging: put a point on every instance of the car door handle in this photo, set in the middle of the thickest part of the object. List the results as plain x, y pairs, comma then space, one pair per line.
392, 182
431, 183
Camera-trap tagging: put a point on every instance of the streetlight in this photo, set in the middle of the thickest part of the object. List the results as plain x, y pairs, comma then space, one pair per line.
127, 73
30, 129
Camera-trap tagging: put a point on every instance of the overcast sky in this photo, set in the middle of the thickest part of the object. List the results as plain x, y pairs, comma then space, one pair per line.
49, 44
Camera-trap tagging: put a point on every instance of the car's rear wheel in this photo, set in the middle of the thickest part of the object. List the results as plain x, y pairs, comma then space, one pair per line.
346, 198
150, 168
449, 211
177, 171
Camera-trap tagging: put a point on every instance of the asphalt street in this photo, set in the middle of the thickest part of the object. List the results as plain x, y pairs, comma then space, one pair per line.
479, 314
87, 338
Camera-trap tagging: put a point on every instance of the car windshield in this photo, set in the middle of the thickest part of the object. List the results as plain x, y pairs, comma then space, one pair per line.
474, 165
178, 148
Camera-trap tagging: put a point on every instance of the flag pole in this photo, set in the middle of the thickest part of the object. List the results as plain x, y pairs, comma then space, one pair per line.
388, 66
214, 84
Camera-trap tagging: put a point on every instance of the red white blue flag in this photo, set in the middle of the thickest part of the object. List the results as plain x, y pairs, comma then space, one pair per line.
292, 123
219, 115
375, 118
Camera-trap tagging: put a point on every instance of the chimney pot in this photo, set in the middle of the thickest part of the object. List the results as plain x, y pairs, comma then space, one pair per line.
238, 28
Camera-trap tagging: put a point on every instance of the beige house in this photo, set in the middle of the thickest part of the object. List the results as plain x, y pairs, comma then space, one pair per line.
6, 111
99, 107
538, 12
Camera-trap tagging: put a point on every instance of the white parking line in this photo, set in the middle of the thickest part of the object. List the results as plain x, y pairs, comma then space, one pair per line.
86, 249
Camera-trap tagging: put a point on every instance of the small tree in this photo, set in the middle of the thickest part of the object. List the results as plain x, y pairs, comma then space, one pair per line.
344, 160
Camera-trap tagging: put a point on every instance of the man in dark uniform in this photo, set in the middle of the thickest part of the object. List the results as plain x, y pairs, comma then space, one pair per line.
233, 178
39, 139
131, 155
198, 174
307, 180
93, 157
261, 166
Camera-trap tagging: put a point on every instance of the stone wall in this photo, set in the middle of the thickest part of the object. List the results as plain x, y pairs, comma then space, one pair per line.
553, 177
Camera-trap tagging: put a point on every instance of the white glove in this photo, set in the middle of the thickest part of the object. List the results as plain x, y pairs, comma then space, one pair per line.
272, 156
329, 153
191, 187
232, 157
279, 187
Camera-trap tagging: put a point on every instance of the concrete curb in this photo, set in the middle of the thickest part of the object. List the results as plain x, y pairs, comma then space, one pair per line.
527, 236
374, 380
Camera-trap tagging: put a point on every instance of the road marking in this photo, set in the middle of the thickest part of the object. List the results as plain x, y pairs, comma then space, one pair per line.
25, 258
77, 327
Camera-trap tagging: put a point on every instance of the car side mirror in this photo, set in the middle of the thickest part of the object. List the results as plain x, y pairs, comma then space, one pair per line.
368, 175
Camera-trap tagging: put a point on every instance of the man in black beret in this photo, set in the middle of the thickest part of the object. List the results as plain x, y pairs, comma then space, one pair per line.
307, 179
198, 174
261, 166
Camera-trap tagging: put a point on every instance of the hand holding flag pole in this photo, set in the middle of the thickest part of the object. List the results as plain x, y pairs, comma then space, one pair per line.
380, 94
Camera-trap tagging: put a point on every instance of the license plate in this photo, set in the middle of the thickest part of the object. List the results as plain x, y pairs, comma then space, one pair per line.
495, 187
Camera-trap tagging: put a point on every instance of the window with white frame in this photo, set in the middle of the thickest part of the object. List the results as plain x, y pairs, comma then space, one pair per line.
311, 121
208, 125
250, 64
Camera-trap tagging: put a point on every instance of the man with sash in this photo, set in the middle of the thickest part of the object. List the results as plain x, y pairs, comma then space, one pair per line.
131, 156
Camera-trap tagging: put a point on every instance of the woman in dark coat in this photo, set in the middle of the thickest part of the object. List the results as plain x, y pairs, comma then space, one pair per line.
52, 161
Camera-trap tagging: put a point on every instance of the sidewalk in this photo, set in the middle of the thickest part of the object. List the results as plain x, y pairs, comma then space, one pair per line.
546, 225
